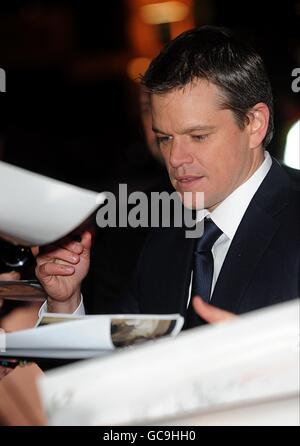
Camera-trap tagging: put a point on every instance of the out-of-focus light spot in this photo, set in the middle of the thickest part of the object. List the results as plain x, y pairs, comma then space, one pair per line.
164, 12
136, 67
292, 147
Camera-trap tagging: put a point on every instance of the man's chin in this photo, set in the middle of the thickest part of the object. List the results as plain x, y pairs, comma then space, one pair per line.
192, 200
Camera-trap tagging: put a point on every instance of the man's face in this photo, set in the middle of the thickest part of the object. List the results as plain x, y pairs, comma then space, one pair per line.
202, 145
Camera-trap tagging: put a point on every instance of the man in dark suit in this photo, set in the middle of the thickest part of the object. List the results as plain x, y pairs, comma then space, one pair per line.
212, 113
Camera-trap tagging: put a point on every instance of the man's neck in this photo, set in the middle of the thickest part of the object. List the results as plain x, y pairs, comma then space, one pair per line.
255, 165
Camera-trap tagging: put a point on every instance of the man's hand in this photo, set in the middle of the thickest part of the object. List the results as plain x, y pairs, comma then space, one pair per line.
209, 313
60, 269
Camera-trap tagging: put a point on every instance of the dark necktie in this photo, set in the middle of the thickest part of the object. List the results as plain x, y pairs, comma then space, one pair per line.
203, 269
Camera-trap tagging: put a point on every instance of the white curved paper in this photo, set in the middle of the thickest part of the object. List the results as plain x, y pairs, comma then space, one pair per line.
36, 210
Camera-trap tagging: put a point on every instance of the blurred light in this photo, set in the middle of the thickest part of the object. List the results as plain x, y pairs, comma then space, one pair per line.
292, 147
136, 67
166, 12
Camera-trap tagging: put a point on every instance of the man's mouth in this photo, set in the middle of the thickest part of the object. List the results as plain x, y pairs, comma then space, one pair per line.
188, 179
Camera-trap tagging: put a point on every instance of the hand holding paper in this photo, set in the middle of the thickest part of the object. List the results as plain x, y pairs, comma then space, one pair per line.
61, 267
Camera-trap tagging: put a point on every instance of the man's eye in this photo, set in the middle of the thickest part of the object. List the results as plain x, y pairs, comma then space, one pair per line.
199, 137
161, 140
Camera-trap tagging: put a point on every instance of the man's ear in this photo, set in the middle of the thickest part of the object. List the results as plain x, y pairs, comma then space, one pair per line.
258, 122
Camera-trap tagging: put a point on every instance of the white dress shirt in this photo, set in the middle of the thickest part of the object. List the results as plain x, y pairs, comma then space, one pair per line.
227, 216
80, 311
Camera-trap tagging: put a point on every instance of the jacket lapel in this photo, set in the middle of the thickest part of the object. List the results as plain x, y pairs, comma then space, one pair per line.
257, 229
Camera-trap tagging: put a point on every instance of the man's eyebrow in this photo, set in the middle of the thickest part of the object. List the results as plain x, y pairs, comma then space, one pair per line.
188, 129
156, 130
197, 127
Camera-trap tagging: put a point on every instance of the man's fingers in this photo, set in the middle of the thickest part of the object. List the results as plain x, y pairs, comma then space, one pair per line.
57, 254
60, 258
72, 246
86, 242
69, 245
54, 269
66, 249
210, 313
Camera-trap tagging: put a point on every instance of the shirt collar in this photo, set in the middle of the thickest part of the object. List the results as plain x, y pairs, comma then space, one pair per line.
228, 215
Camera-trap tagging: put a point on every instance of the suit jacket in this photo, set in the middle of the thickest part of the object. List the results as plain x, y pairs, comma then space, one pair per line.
262, 266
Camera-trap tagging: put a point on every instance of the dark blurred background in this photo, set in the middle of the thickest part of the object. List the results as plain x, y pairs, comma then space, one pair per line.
71, 108
71, 111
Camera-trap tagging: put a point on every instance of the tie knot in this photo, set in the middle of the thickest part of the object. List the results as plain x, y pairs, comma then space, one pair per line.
210, 235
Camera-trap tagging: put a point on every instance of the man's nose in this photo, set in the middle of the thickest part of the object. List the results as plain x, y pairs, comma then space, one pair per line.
179, 154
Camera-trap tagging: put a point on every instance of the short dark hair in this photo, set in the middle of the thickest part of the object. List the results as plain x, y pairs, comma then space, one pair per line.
215, 54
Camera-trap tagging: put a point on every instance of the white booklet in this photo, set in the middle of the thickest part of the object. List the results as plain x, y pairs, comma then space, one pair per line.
73, 337
37, 210
249, 361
